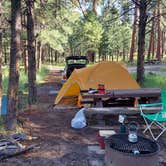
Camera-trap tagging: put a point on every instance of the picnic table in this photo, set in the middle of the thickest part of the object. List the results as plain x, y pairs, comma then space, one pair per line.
124, 96
119, 102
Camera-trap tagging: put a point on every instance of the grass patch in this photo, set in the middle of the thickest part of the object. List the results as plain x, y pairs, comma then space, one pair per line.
41, 74
2, 126
163, 69
23, 84
153, 81
23, 79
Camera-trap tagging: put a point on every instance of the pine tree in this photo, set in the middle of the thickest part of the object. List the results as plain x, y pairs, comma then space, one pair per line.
12, 95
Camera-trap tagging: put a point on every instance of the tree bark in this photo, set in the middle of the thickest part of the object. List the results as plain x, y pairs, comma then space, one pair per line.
5, 54
32, 96
25, 56
39, 48
12, 94
55, 56
141, 41
154, 43
0, 54
151, 37
133, 40
163, 43
158, 53
124, 54
95, 6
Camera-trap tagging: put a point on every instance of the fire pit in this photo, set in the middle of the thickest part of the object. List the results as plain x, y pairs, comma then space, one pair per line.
121, 152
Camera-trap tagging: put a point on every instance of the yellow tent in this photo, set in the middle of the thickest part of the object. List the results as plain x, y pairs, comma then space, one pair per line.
112, 74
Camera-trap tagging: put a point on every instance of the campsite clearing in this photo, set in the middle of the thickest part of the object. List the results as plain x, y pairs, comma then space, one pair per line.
60, 145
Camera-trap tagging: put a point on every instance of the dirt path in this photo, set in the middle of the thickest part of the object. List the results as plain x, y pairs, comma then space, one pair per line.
59, 144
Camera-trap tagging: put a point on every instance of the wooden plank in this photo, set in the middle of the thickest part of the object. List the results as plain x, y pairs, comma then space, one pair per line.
103, 127
108, 127
144, 92
65, 107
120, 110
87, 101
96, 95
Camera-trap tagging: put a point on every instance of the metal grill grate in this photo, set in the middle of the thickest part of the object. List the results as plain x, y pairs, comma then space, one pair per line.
143, 145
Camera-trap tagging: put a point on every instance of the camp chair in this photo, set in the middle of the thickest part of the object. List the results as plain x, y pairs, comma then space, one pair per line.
157, 119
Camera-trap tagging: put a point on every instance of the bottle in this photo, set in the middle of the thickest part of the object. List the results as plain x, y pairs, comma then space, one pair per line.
101, 89
136, 102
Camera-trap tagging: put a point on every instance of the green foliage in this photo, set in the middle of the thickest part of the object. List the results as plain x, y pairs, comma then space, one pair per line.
87, 34
117, 33
155, 81
92, 31
54, 38
57, 25
41, 74
2, 127
23, 85
23, 80
163, 69
5, 79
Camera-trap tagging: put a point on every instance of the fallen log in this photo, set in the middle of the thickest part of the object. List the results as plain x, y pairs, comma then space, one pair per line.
5, 155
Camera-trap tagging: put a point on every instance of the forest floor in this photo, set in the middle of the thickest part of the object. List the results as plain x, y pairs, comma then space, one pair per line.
59, 144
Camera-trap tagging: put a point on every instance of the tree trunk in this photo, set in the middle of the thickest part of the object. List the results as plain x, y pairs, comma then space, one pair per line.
52, 56
0, 54
39, 48
12, 95
49, 54
154, 42
55, 56
25, 56
151, 37
124, 54
133, 40
43, 58
163, 44
32, 96
158, 53
141, 41
5, 54
95, 6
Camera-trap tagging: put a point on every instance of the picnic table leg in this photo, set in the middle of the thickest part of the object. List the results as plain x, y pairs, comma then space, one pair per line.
100, 120
99, 117
98, 102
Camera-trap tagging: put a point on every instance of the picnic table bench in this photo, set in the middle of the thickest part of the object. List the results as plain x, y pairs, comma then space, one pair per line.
120, 110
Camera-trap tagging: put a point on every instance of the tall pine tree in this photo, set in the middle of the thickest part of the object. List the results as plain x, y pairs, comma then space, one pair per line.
12, 94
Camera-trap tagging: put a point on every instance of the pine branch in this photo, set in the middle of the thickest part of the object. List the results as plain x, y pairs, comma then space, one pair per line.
136, 2
121, 14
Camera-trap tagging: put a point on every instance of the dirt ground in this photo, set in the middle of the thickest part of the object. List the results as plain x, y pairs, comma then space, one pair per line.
59, 144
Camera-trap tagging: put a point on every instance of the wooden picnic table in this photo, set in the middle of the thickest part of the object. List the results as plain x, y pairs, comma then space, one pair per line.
120, 102
98, 99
